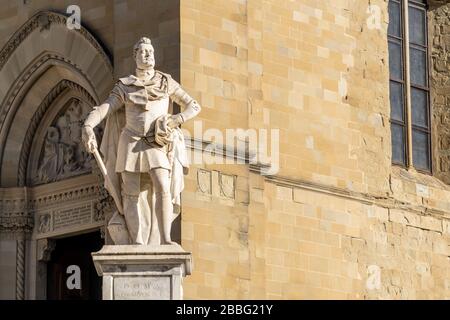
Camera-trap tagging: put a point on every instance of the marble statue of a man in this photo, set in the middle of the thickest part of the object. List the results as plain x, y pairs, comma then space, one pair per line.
143, 147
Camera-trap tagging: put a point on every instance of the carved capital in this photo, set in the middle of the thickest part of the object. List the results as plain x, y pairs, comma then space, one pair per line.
15, 217
16, 224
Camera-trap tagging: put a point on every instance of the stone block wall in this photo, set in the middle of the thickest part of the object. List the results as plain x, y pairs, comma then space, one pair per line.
318, 245
338, 220
158, 20
439, 37
214, 70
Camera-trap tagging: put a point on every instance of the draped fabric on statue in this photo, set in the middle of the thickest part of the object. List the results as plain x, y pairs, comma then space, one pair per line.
178, 160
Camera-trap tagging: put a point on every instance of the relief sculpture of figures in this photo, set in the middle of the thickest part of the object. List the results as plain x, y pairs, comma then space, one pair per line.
143, 151
62, 156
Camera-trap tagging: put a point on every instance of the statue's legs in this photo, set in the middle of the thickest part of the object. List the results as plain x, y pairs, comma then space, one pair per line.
138, 220
163, 202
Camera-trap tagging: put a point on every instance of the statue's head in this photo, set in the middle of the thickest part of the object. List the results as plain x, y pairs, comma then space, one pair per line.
143, 54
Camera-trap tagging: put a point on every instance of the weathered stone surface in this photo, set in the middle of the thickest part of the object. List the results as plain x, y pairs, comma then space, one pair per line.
139, 272
440, 74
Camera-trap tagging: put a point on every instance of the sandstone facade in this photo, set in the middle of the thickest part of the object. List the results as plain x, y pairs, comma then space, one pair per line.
337, 220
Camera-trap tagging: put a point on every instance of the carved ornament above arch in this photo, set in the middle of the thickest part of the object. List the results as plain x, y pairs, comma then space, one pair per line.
43, 21
40, 54
58, 152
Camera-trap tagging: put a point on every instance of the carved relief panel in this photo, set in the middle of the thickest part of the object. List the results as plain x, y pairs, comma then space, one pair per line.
63, 155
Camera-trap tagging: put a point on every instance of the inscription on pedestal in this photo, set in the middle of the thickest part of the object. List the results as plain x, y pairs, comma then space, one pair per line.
142, 288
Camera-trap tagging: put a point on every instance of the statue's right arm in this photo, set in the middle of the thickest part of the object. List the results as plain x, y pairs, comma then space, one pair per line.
98, 114
115, 101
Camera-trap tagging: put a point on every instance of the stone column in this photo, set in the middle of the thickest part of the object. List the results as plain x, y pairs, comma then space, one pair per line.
137, 272
16, 225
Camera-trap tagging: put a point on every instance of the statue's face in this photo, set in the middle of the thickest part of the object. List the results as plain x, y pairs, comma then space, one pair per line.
145, 57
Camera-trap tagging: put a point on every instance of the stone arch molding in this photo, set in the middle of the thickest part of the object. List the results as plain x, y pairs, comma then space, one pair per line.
41, 57
52, 149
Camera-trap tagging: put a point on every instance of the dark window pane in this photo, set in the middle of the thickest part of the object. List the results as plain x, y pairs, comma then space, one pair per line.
398, 144
419, 106
395, 60
417, 28
395, 19
420, 150
396, 98
418, 67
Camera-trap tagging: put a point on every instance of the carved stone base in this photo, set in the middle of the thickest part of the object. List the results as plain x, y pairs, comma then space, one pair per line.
136, 272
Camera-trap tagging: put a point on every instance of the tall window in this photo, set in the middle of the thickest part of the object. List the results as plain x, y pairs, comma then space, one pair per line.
409, 84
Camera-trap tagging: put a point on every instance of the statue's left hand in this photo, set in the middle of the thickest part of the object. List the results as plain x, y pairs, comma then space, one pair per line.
175, 121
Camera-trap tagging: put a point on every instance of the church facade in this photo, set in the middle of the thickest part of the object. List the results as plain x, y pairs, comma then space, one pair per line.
320, 163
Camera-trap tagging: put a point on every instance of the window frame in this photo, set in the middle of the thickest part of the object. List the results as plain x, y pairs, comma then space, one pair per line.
407, 86
402, 82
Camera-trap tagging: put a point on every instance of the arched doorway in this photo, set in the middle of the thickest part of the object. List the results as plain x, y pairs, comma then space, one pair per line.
50, 188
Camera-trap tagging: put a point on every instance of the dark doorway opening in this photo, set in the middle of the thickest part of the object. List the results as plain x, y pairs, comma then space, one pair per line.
71, 273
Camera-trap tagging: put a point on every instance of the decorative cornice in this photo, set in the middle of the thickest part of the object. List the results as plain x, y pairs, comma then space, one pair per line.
37, 117
44, 19
312, 186
81, 193
387, 201
219, 150
17, 213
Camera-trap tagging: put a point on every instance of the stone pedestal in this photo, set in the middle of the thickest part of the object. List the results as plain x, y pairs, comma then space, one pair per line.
136, 272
